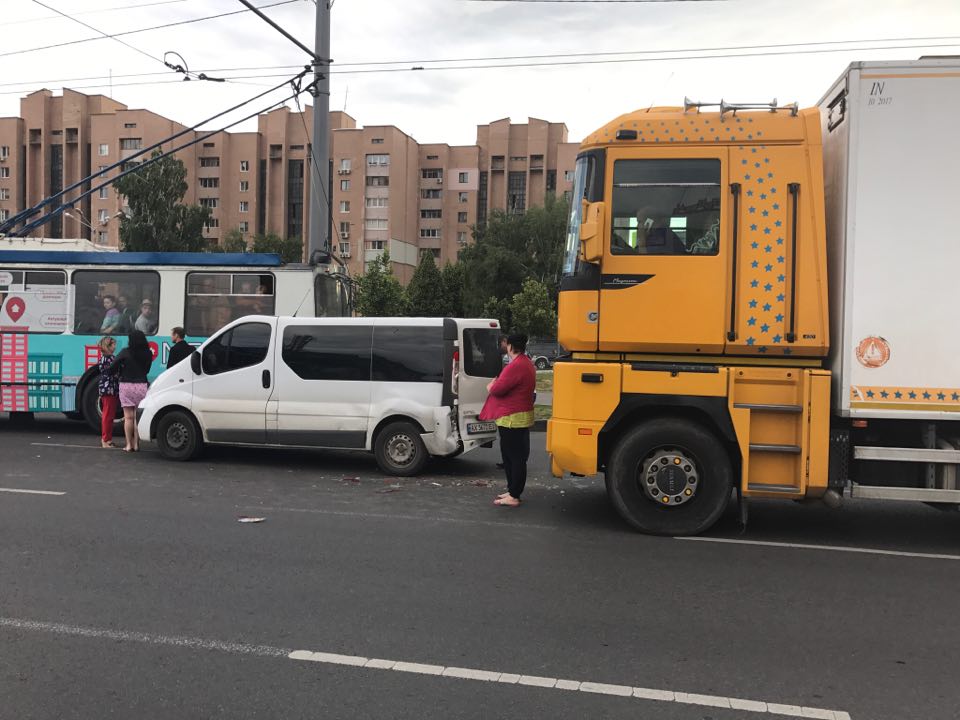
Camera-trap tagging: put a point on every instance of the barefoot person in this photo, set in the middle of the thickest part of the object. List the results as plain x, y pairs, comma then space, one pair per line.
109, 387
510, 404
134, 362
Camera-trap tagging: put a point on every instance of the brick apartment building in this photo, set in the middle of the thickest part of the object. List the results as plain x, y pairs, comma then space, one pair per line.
389, 192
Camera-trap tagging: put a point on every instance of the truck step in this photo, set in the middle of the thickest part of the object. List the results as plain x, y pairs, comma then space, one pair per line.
771, 448
930, 495
784, 489
898, 454
761, 407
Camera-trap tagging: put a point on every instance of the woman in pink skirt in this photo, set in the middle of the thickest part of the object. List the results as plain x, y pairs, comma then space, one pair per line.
134, 364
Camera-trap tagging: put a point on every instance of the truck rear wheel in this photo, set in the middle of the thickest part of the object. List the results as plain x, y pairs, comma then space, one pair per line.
670, 477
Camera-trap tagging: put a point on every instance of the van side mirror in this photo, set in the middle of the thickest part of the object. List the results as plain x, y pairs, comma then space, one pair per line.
195, 362
591, 239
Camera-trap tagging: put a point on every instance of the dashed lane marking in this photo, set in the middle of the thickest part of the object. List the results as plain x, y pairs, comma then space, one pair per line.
459, 673
32, 492
829, 548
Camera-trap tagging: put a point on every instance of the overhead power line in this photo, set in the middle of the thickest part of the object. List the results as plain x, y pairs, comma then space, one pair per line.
26, 214
26, 229
101, 32
99, 11
141, 30
853, 45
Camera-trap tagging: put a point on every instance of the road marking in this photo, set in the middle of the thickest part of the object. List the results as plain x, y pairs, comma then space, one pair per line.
140, 637
571, 685
831, 548
459, 673
67, 445
392, 516
32, 492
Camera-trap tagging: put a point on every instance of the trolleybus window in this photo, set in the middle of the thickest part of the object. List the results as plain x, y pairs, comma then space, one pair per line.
34, 300
114, 302
216, 298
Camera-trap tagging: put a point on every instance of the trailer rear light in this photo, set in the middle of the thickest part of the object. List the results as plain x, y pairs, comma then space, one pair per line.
493, 325
859, 423
584, 431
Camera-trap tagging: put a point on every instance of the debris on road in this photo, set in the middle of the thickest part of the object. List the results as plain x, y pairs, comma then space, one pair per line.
392, 488
480, 483
248, 519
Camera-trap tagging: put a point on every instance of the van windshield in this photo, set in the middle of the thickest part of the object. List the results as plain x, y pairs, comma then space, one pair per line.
481, 352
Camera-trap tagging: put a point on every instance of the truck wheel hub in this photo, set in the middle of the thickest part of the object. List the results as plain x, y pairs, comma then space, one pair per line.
669, 477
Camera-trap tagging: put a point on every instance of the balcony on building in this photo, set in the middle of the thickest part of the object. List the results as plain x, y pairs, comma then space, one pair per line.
276, 152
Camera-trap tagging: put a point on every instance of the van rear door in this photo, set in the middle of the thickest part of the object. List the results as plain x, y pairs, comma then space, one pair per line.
480, 361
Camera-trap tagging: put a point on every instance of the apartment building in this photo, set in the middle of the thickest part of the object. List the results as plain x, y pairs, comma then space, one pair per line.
388, 192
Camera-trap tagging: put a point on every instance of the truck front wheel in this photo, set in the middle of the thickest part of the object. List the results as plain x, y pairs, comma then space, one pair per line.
669, 477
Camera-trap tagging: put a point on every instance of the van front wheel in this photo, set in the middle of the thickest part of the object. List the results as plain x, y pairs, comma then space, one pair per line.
178, 436
399, 449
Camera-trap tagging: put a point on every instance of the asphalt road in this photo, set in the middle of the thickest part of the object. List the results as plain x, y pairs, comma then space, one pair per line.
137, 594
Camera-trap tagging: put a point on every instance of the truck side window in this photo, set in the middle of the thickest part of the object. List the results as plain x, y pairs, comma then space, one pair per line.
666, 207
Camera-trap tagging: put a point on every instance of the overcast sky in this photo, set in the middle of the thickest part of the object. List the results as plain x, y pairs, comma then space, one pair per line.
445, 105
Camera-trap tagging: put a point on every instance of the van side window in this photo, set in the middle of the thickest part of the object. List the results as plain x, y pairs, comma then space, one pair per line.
215, 299
408, 354
328, 352
481, 352
241, 346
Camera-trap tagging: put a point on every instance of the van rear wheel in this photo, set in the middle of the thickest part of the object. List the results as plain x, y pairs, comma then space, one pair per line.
399, 449
178, 436
670, 477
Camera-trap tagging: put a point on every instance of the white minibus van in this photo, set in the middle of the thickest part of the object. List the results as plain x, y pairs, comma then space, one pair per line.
404, 388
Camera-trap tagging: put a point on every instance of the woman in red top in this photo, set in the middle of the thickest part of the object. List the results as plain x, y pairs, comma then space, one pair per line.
510, 404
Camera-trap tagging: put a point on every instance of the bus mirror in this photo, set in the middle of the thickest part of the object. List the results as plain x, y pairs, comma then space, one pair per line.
195, 362
591, 240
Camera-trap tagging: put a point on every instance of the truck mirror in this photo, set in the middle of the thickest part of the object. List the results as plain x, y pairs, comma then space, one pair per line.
591, 239
195, 362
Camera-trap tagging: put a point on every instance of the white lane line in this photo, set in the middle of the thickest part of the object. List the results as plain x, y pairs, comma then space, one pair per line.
572, 685
67, 445
831, 548
460, 673
395, 516
140, 637
32, 492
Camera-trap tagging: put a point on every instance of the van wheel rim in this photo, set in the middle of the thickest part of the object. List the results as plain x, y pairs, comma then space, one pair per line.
669, 477
401, 449
177, 436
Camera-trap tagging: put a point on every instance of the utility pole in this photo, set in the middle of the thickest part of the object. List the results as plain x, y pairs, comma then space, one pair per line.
320, 191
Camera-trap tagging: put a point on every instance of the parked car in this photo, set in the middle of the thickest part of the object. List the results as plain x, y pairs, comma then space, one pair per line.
404, 389
543, 353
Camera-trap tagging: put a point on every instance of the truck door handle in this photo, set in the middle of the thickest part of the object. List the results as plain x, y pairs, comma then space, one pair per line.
265, 378
732, 328
791, 334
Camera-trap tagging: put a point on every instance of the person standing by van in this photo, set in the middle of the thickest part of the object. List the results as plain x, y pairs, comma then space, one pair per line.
134, 363
510, 404
181, 349
109, 387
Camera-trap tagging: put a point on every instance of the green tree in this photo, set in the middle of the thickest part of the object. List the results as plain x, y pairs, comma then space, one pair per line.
234, 242
378, 292
452, 277
157, 221
532, 310
510, 249
498, 309
425, 292
290, 250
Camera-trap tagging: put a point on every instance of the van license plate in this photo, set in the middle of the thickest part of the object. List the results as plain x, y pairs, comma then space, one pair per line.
484, 427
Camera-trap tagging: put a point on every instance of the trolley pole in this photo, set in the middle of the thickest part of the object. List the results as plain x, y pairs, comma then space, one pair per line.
320, 192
